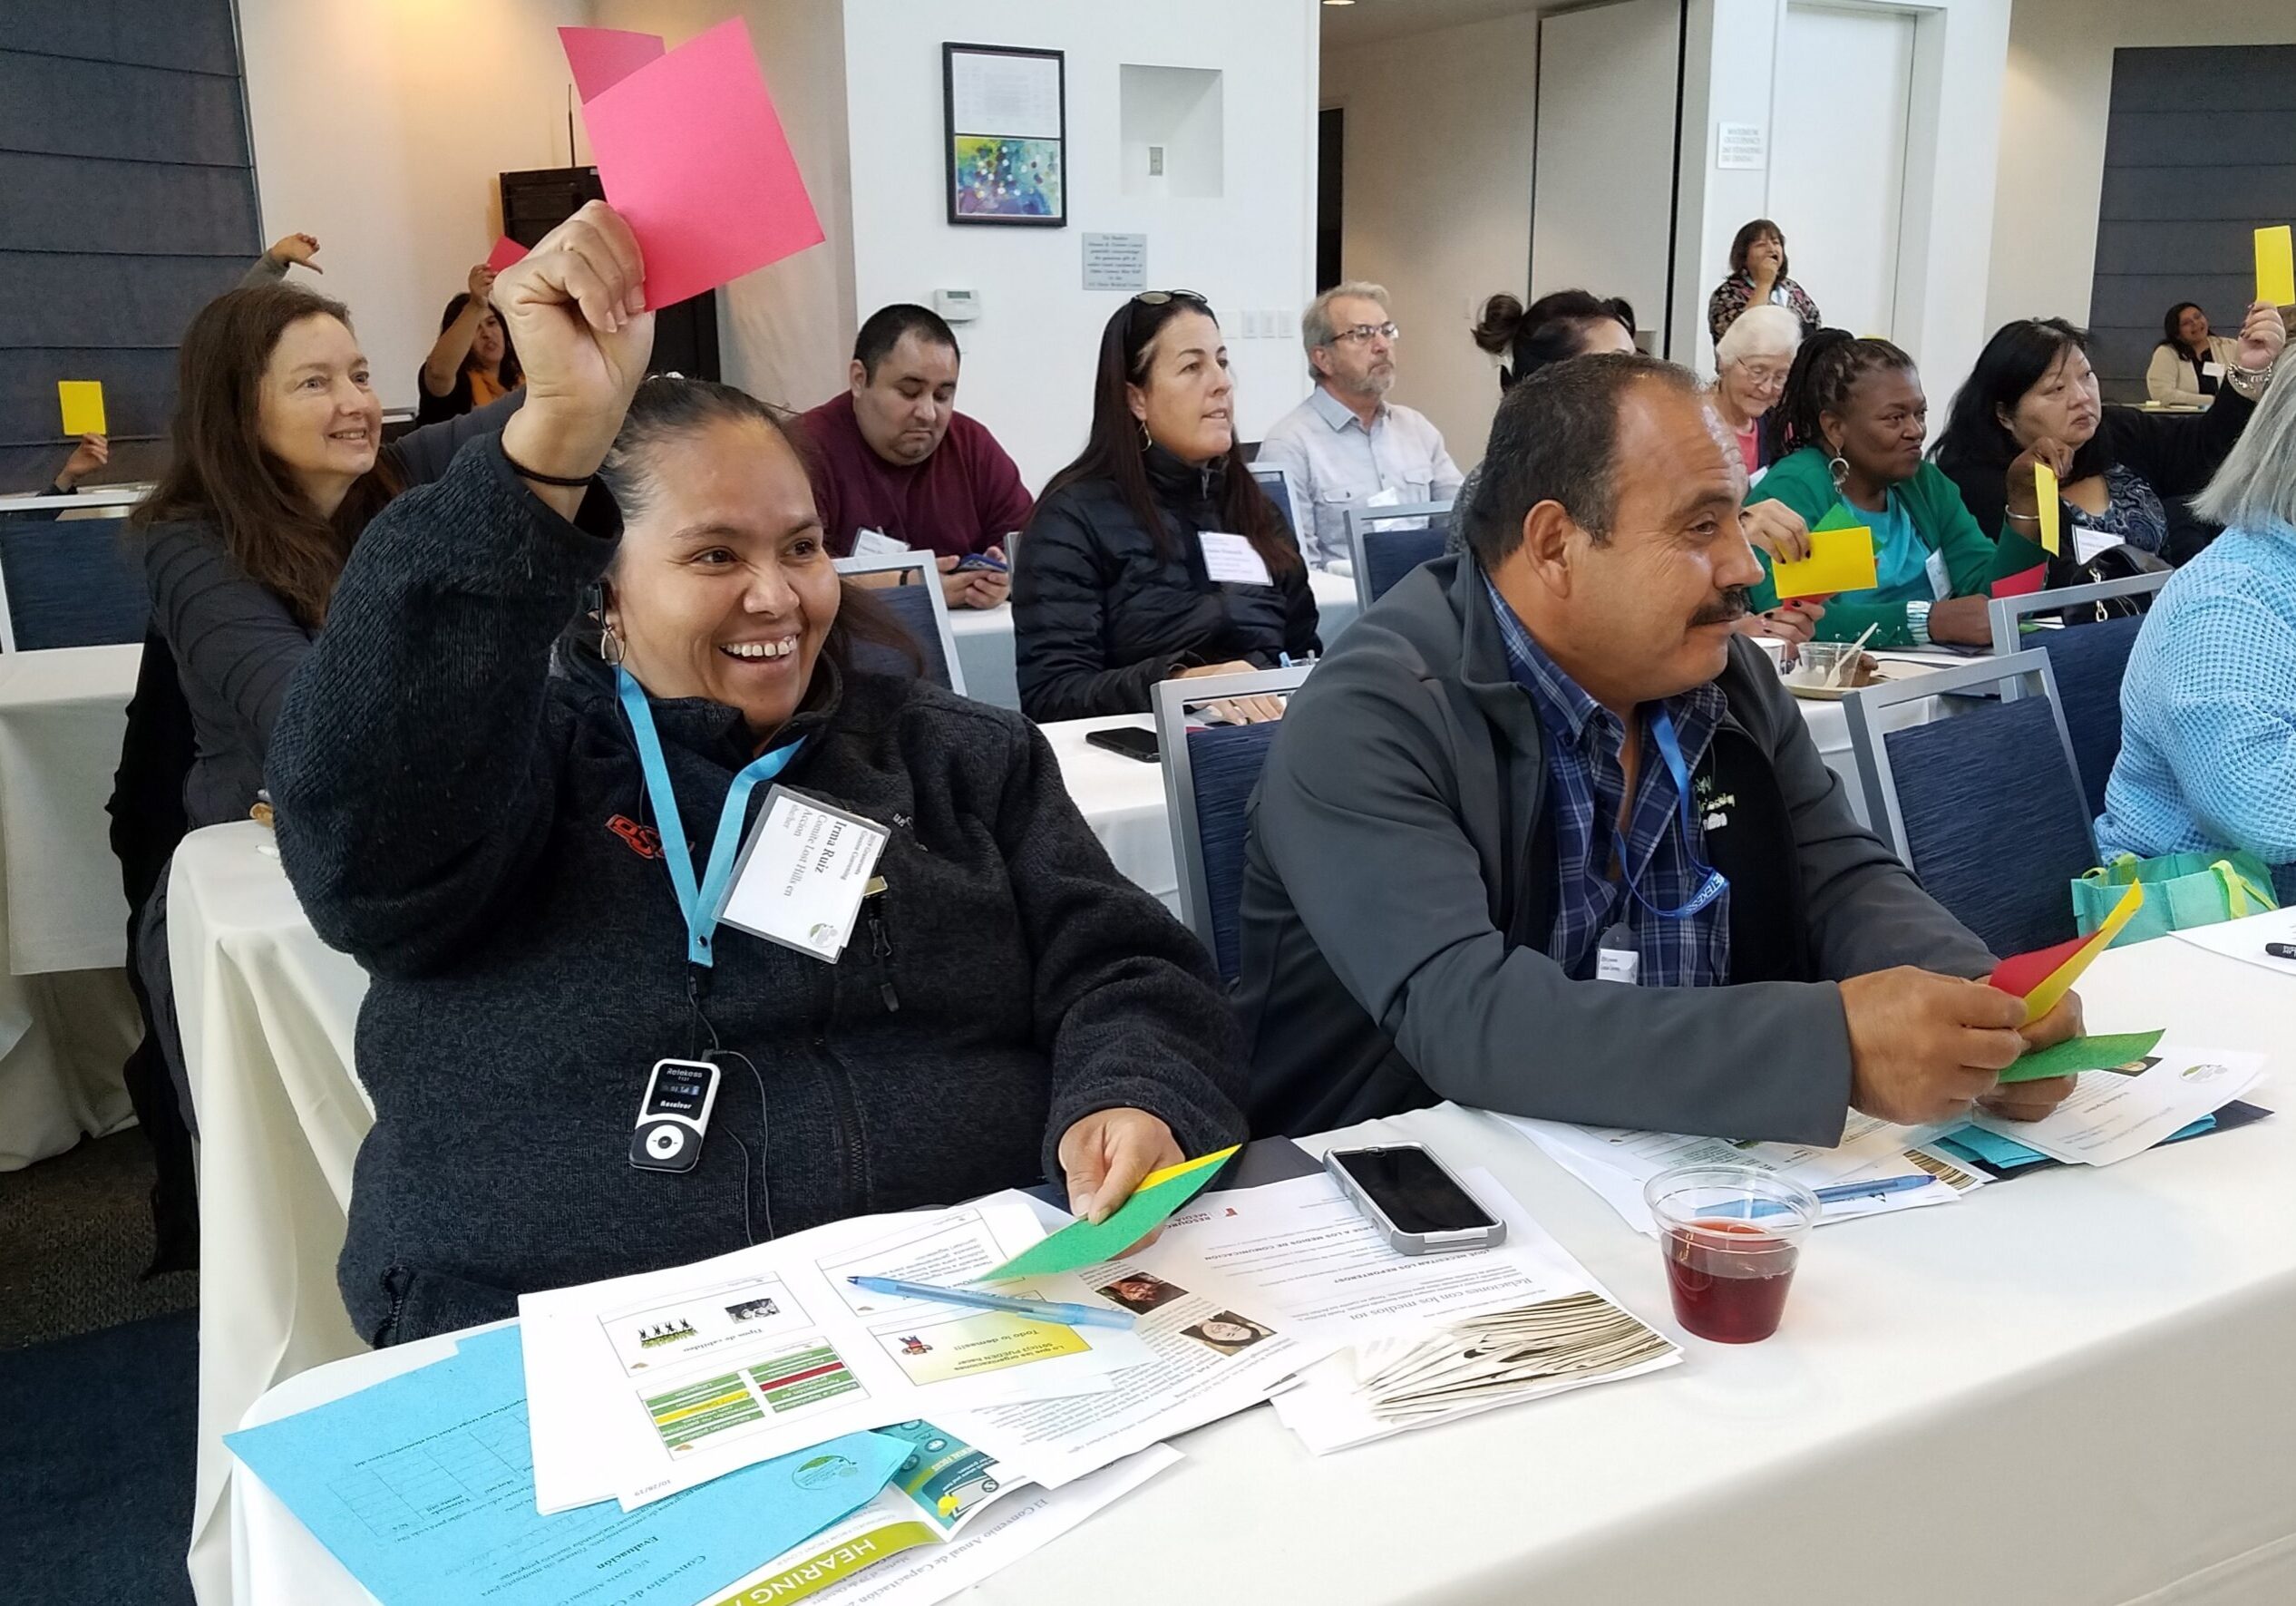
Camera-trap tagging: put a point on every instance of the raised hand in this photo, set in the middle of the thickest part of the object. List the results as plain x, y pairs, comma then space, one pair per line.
297, 248
481, 283
2263, 335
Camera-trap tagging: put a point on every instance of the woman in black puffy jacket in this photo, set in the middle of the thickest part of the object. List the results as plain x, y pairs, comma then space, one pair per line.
1155, 554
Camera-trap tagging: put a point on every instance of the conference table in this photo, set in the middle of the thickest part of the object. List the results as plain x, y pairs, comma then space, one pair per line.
67, 1020
985, 638
2069, 1388
268, 1014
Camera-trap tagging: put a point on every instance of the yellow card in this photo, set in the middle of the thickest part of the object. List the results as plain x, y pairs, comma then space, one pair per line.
2275, 267
1839, 560
2045, 495
82, 402
1185, 1166
2059, 981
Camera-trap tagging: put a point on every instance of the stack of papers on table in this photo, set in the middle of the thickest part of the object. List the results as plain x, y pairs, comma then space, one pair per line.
1398, 1340
644, 1386
1616, 1162
2114, 1114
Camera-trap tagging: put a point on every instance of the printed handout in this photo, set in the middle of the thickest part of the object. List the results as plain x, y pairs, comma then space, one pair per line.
2113, 1115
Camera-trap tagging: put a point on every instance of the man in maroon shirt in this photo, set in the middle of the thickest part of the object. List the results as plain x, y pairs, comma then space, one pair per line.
894, 457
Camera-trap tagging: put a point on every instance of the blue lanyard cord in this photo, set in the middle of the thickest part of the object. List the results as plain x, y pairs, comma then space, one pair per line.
1715, 883
699, 904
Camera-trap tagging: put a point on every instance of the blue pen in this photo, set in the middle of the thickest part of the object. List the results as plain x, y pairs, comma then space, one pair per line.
1838, 1194
1073, 1316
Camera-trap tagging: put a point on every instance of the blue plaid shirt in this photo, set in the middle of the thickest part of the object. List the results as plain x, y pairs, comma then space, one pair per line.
1586, 791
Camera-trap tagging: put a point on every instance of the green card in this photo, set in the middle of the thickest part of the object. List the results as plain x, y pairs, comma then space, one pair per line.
1087, 1243
2082, 1053
1842, 516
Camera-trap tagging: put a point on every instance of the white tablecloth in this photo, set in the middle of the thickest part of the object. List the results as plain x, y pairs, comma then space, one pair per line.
985, 638
1121, 799
268, 1013
2072, 1388
67, 1019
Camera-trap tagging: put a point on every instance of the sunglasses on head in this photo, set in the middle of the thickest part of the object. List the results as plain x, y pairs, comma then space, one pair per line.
1164, 297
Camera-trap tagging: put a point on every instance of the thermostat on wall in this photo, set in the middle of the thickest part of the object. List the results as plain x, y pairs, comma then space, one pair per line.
957, 307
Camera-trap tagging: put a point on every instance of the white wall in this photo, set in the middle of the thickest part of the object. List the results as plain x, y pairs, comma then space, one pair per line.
1028, 358
1440, 127
2054, 108
381, 128
1952, 146
784, 332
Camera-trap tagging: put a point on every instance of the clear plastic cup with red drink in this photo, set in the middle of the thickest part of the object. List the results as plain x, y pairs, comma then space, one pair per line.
1731, 1235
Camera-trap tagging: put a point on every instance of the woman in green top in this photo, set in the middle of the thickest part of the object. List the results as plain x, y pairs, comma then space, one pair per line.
1854, 419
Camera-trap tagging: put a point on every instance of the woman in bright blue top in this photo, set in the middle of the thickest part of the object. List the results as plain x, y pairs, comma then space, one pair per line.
2208, 709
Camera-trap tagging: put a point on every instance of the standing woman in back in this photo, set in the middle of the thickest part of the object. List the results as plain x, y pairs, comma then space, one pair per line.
1758, 279
1155, 555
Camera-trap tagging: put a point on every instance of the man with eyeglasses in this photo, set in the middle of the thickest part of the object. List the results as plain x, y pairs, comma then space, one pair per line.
1347, 446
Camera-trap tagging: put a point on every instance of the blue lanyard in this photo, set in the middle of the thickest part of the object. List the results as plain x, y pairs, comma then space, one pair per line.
699, 905
1716, 883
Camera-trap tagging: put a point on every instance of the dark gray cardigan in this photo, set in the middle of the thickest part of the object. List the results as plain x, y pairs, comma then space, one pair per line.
459, 820
234, 642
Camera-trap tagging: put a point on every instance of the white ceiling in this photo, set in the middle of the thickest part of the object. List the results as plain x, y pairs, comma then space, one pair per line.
1369, 20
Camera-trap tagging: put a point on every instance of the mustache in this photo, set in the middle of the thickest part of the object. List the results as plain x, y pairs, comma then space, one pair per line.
1728, 608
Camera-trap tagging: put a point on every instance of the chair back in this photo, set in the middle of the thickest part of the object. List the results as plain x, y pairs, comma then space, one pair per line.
1208, 775
1986, 807
2089, 662
70, 583
2007, 614
1380, 556
1278, 485
921, 609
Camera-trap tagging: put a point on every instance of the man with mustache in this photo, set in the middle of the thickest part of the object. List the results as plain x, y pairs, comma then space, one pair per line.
1347, 445
1543, 834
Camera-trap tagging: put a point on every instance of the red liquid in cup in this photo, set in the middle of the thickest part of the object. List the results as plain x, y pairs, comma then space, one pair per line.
1731, 1296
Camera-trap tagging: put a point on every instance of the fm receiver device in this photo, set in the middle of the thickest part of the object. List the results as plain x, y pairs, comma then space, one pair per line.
674, 1115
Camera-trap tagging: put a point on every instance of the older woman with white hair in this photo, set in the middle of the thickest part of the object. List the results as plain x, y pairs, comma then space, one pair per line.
2208, 708
1755, 354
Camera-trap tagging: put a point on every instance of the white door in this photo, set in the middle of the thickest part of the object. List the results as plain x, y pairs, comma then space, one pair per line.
1603, 172
1837, 158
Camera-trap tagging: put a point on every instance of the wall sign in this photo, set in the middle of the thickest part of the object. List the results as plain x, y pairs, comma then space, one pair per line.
1739, 145
1006, 131
1116, 261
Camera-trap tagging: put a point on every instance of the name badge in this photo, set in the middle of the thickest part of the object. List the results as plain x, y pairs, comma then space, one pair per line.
876, 544
803, 874
2089, 545
1941, 582
1617, 960
2211, 370
1231, 561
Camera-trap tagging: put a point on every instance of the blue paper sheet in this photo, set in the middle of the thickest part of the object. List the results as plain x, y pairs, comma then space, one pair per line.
1977, 1143
423, 1486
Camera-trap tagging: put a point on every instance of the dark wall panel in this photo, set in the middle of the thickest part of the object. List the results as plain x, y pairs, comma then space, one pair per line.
127, 201
2199, 153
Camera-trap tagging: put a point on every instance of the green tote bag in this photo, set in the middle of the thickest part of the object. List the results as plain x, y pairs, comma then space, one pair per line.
2182, 890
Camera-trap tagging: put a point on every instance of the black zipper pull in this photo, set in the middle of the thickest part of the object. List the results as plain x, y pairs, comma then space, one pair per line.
881, 947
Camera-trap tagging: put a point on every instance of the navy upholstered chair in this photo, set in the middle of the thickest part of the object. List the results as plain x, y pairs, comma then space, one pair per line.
1985, 806
923, 611
1382, 557
2089, 662
1208, 775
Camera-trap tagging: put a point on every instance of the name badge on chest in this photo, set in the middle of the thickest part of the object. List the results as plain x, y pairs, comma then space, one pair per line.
1230, 560
803, 873
1941, 582
1617, 958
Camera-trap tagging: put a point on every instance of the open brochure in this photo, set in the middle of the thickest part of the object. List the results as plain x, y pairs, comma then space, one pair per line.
642, 1386
945, 1522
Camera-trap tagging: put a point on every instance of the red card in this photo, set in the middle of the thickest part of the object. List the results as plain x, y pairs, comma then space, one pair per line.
691, 153
2022, 973
602, 57
2022, 584
505, 252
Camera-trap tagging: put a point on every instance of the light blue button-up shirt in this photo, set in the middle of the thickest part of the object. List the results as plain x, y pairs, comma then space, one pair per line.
1332, 464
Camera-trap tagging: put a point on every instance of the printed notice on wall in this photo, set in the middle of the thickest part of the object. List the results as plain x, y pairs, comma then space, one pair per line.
1013, 96
1116, 261
1738, 145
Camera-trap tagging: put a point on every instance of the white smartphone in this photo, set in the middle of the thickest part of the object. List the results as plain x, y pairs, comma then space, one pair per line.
1413, 1198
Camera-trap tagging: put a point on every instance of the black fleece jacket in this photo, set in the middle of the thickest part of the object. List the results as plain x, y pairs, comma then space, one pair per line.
467, 827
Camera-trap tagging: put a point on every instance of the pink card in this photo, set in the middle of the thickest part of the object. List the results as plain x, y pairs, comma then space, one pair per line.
691, 152
602, 57
505, 252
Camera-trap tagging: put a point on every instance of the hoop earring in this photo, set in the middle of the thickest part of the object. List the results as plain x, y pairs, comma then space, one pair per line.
1839, 467
1145, 441
609, 646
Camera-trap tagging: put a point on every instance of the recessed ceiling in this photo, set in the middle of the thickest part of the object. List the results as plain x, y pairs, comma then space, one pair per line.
1369, 20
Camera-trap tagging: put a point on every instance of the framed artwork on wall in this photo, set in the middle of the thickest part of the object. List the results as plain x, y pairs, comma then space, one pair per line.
1004, 128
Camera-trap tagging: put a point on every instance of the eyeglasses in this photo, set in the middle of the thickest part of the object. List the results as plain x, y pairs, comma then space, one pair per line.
1367, 332
1761, 374
1164, 297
